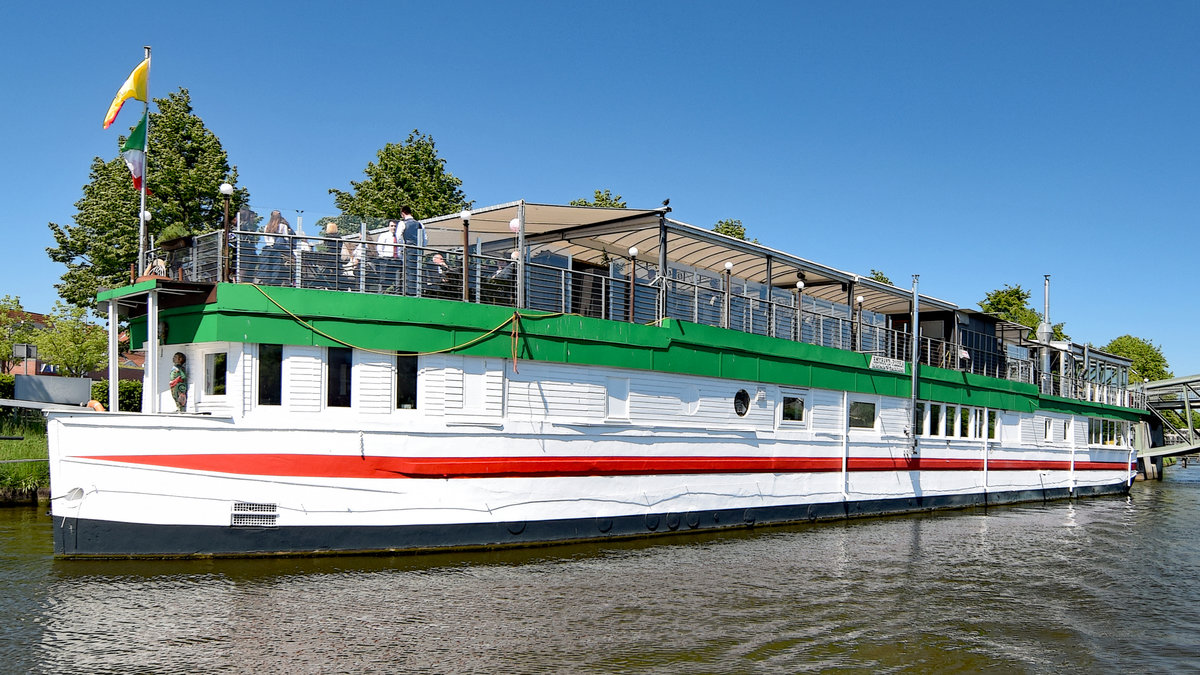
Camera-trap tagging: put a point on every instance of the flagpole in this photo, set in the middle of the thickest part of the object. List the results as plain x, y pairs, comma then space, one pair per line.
142, 241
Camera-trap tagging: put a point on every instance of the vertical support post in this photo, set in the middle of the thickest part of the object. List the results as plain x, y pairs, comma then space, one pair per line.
916, 360
727, 320
632, 281
466, 257
661, 305
770, 297
800, 310
150, 402
113, 347
361, 267
521, 255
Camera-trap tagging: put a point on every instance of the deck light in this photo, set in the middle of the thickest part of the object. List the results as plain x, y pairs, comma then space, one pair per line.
633, 251
728, 267
514, 225
146, 216
465, 215
226, 190
859, 300
799, 285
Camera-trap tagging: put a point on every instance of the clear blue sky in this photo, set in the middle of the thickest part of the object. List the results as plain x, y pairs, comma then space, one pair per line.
976, 144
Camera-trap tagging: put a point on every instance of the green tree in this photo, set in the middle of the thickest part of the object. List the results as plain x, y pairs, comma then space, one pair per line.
185, 168
407, 174
16, 327
602, 199
880, 277
71, 342
730, 227
1012, 304
1148, 361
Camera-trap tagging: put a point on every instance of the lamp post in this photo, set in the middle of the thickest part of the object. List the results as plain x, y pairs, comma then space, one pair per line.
728, 292
799, 309
465, 215
858, 301
632, 278
227, 192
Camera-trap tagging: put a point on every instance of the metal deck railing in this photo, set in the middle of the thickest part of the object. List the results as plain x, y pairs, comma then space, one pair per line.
353, 264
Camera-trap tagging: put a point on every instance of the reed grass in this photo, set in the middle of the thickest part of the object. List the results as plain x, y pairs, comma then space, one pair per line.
24, 476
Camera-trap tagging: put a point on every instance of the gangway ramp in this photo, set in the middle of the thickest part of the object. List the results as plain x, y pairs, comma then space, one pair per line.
1181, 397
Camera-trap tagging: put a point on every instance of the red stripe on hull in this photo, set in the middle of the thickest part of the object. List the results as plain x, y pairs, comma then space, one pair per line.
338, 466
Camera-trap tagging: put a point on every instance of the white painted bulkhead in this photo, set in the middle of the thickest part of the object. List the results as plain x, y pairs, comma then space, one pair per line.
484, 407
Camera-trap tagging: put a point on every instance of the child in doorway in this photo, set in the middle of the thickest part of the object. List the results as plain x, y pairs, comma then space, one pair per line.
178, 383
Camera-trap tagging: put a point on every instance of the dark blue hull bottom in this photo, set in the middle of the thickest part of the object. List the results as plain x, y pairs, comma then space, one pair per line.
75, 537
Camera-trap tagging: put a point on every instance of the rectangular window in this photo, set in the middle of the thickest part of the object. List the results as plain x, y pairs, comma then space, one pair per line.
793, 409
920, 418
214, 374
964, 422
1066, 430
1048, 432
337, 378
406, 381
270, 374
950, 413
935, 419
862, 415
993, 428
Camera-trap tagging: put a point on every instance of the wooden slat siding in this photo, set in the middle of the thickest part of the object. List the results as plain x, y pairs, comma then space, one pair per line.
827, 411
302, 378
894, 416
485, 378
373, 382
431, 385
248, 372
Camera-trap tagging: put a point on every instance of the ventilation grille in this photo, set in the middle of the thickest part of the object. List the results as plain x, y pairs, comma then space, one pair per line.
251, 514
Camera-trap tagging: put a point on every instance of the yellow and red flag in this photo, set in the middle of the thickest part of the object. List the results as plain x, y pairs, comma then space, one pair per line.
134, 87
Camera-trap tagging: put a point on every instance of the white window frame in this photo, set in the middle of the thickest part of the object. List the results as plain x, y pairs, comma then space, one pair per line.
806, 413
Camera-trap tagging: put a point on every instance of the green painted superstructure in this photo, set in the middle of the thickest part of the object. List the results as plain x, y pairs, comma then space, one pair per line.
247, 313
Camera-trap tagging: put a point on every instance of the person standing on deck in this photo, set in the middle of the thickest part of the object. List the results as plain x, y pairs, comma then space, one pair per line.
178, 383
389, 257
411, 227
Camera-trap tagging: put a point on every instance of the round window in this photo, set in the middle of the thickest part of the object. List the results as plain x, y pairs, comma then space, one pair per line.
741, 403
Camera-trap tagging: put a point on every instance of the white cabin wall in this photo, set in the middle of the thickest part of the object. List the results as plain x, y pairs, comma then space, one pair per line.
431, 385
373, 382
303, 371
248, 376
894, 416
827, 415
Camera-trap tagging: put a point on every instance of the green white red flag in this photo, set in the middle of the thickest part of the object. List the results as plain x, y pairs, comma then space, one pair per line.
134, 152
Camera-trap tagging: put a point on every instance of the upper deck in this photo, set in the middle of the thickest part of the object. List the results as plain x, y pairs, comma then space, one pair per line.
641, 266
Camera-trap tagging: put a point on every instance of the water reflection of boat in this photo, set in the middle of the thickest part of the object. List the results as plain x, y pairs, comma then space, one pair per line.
632, 375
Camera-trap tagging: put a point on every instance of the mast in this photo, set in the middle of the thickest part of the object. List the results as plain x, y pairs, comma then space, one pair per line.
142, 241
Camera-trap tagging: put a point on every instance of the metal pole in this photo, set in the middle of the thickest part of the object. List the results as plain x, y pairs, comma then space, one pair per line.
145, 173
225, 243
661, 305
727, 320
916, 360
113, 348
770, 298
521, 254
632, 280
466, 261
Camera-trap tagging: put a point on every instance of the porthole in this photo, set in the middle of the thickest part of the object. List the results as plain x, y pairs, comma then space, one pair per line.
741, 403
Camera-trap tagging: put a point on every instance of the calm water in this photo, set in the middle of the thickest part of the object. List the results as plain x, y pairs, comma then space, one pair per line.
1103, 584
